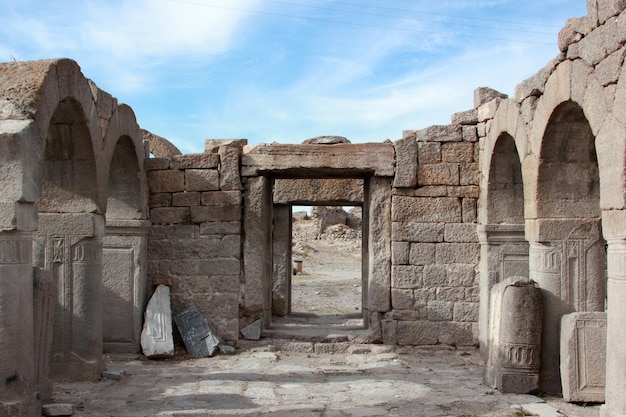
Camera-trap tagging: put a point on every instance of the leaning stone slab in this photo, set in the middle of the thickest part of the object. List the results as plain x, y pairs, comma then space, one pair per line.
252, 331
198, 337
515, 336
157, 340
583, 356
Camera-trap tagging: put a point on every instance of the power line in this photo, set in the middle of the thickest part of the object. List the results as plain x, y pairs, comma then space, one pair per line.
413, 19
395, 28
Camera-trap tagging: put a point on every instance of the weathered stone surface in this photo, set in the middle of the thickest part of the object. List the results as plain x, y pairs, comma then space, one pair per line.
170, 181
376, 158
230, 157
253, 330
159, 146
468, 117
407, 276
574, 30
438, 174
186, 199
335, 191
457, 152
426, 210
515, 324
483, 95
583, 356
399, 253
57, 409
429, 152
406, 162
418, 231
195, 161
441, 133
198, 337
44, 296
213, 145
201, 180
157, 340
326, 140
417, 333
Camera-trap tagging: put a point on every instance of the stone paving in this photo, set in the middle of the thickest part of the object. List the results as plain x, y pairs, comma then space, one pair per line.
305, 379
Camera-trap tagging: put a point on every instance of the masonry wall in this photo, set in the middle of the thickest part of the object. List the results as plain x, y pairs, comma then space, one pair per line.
195, 239
435, 249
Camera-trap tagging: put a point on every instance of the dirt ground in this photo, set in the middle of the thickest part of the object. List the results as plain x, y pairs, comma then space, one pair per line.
330, 282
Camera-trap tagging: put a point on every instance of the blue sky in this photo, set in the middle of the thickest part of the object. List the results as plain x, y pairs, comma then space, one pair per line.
285, 71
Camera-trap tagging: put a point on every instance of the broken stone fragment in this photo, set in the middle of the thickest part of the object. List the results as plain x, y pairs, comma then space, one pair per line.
57, 409
198, 337
157, 340
326, 140
252, 331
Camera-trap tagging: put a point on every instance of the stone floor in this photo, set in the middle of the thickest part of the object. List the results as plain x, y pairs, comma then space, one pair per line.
305, 379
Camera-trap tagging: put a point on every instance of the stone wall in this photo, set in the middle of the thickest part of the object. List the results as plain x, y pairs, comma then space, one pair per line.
195, 239
435, 251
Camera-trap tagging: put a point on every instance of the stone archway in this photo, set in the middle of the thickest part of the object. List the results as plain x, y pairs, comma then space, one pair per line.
69, 242
504, 250
567, 251
125, 282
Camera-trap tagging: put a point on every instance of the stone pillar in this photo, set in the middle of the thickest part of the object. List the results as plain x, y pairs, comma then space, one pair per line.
17, 359
44, 297
614, 224
377, 216
125, 284
282, 269
70, 247
568, 261
503, 254
515, 344
257, 248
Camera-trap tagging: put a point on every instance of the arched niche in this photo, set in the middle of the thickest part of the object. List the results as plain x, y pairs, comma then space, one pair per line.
68, 242
567, 251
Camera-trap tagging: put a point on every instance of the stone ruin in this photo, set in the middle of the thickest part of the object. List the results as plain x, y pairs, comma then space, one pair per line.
530, 186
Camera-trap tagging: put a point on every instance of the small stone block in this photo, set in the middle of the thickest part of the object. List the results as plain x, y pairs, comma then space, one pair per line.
157, 340
252, 331
113, 374
227, 349
58, 409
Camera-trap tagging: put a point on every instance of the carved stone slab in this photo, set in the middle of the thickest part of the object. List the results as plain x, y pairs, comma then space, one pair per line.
198, 337
583, 356
156, 338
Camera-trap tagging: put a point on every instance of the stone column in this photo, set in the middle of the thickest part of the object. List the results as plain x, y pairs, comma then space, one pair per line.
70, 247
257, 248
282, 268
17, 359
614, 224
503, 254
568, 262
125, 284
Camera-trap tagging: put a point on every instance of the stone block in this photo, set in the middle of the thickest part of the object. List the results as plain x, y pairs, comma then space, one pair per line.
440, 310
470, 134
469, 210
406, 162
441, 133
483, 95
435, 276
417, 333
450, 294
457, 253
170, 215
221, 198
157, 339
426, 210
157, 164
438, 174
198, 337
428, 153
422, 253
213, 145
229, 167
160, 200
195, 161
583, 356
57, 409
460, 233
400, 253
186, 199
220, 228
170, 181
402, 299
461, 275
469, 174
201, 180
418, 232
44, 300
455, 334
465, 312
203, 214
461, 152
467, 117
333, 191
609, 8
406, 276
609, 69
